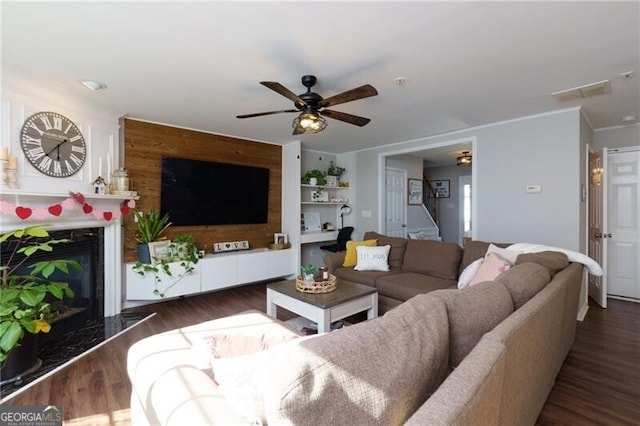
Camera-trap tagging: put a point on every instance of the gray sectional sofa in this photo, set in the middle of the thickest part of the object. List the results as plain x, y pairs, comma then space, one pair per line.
415, 267
484, 355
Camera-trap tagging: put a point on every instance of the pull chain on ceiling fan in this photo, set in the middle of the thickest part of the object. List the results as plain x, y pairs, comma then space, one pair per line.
312, 106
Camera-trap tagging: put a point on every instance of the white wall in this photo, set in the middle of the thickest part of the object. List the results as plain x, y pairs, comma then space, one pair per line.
539, 150
616, 137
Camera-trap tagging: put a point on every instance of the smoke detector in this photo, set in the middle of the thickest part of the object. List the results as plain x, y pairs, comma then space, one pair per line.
583, 92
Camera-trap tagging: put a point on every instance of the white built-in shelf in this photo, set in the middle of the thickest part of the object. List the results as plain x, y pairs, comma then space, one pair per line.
323, 202
323, 187
318, 237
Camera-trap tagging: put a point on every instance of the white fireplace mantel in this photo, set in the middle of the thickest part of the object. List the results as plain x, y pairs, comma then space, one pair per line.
75, 218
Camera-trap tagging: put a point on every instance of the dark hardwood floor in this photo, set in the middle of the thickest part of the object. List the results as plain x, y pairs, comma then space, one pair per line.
598, 384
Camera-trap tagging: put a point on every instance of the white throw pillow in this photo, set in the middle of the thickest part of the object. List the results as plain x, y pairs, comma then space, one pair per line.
372, 258
492, 266
242, 379
469, 272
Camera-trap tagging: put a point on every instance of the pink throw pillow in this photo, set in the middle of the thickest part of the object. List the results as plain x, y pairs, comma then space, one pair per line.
492, 266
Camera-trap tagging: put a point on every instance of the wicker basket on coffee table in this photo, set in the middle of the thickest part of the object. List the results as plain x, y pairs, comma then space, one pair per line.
316, 287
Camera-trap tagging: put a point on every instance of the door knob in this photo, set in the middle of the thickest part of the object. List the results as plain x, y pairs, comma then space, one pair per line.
598, 235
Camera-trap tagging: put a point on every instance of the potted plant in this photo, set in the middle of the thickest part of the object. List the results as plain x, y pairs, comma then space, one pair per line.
335, 170
314, 177
150, 228
183, 251
309, 273
25, 308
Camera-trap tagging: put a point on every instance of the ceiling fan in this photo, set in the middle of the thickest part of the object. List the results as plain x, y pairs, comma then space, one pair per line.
312, 107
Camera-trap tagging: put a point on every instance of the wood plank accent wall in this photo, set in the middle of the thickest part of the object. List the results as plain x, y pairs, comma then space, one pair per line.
146, 143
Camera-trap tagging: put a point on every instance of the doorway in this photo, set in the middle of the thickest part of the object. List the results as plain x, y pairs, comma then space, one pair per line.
395, 202
623, 223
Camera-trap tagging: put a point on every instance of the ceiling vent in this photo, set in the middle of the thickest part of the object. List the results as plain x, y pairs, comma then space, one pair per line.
583, 92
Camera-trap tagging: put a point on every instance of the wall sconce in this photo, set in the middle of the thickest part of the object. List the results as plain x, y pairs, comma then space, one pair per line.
308, 123
465, 159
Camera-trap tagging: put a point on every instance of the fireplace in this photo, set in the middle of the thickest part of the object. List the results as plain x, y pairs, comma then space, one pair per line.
86, 246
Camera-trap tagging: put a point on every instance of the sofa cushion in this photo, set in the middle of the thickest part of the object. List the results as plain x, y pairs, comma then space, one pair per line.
351, 258
363, 277
475, 250
405, 285
524, 281
351, 376
398, 246
554, 261
435, 258
473, 311
372, 258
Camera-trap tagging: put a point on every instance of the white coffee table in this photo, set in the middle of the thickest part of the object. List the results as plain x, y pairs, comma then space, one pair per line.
347, 299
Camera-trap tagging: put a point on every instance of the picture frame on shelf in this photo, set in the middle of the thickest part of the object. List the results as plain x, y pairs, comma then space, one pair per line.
280, 238
159, 251
311, 222
414, 187
441, 187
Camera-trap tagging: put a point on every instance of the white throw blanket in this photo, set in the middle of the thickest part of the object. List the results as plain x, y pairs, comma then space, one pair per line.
592, 266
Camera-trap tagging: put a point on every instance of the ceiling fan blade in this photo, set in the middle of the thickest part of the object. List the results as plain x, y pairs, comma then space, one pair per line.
259, 114
280, 89
350, 95
347, 118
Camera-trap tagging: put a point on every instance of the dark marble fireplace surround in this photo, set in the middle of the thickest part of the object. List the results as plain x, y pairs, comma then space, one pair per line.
82, 324
86, 246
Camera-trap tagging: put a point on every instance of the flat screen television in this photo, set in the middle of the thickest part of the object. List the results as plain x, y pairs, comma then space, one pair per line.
196, 192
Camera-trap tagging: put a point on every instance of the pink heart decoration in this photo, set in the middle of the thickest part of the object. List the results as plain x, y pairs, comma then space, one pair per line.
107, 215
68, 203
40, 213
117, 214
87, 208
6, 207
131, 204
78, 197
55, 210
97, 214
23, 212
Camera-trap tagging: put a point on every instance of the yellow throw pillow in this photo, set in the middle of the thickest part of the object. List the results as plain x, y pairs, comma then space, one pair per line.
351, 258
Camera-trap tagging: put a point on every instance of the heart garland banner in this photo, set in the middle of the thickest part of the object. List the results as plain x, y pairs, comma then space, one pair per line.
25, 212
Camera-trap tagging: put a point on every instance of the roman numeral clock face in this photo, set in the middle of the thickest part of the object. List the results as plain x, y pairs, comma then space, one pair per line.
53, 144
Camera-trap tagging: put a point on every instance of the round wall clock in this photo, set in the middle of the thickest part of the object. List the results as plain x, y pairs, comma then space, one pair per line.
53, 144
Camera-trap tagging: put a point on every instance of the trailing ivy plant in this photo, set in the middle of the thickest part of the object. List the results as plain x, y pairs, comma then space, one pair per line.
183, 251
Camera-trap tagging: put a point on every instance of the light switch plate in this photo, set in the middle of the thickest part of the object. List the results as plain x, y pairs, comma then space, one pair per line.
534, 189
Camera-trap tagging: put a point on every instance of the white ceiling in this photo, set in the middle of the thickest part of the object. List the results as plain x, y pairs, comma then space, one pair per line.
198, 65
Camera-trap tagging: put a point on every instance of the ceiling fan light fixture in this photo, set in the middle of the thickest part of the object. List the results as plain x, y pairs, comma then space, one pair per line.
465, 159
308, 123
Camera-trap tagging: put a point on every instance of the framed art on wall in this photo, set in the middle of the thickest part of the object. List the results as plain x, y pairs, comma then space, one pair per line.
415, 191
441, 187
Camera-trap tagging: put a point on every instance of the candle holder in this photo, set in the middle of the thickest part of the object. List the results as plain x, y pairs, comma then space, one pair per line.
3, 165
11, 177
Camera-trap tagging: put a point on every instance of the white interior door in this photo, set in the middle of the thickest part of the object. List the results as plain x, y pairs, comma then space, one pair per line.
623, 235
597, 219
465, 208
395, 203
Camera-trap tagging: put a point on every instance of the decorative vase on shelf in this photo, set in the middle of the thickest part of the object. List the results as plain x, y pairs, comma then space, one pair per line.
143, 253
313, 181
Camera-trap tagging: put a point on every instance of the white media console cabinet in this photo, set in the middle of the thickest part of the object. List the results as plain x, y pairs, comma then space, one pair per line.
213, 272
